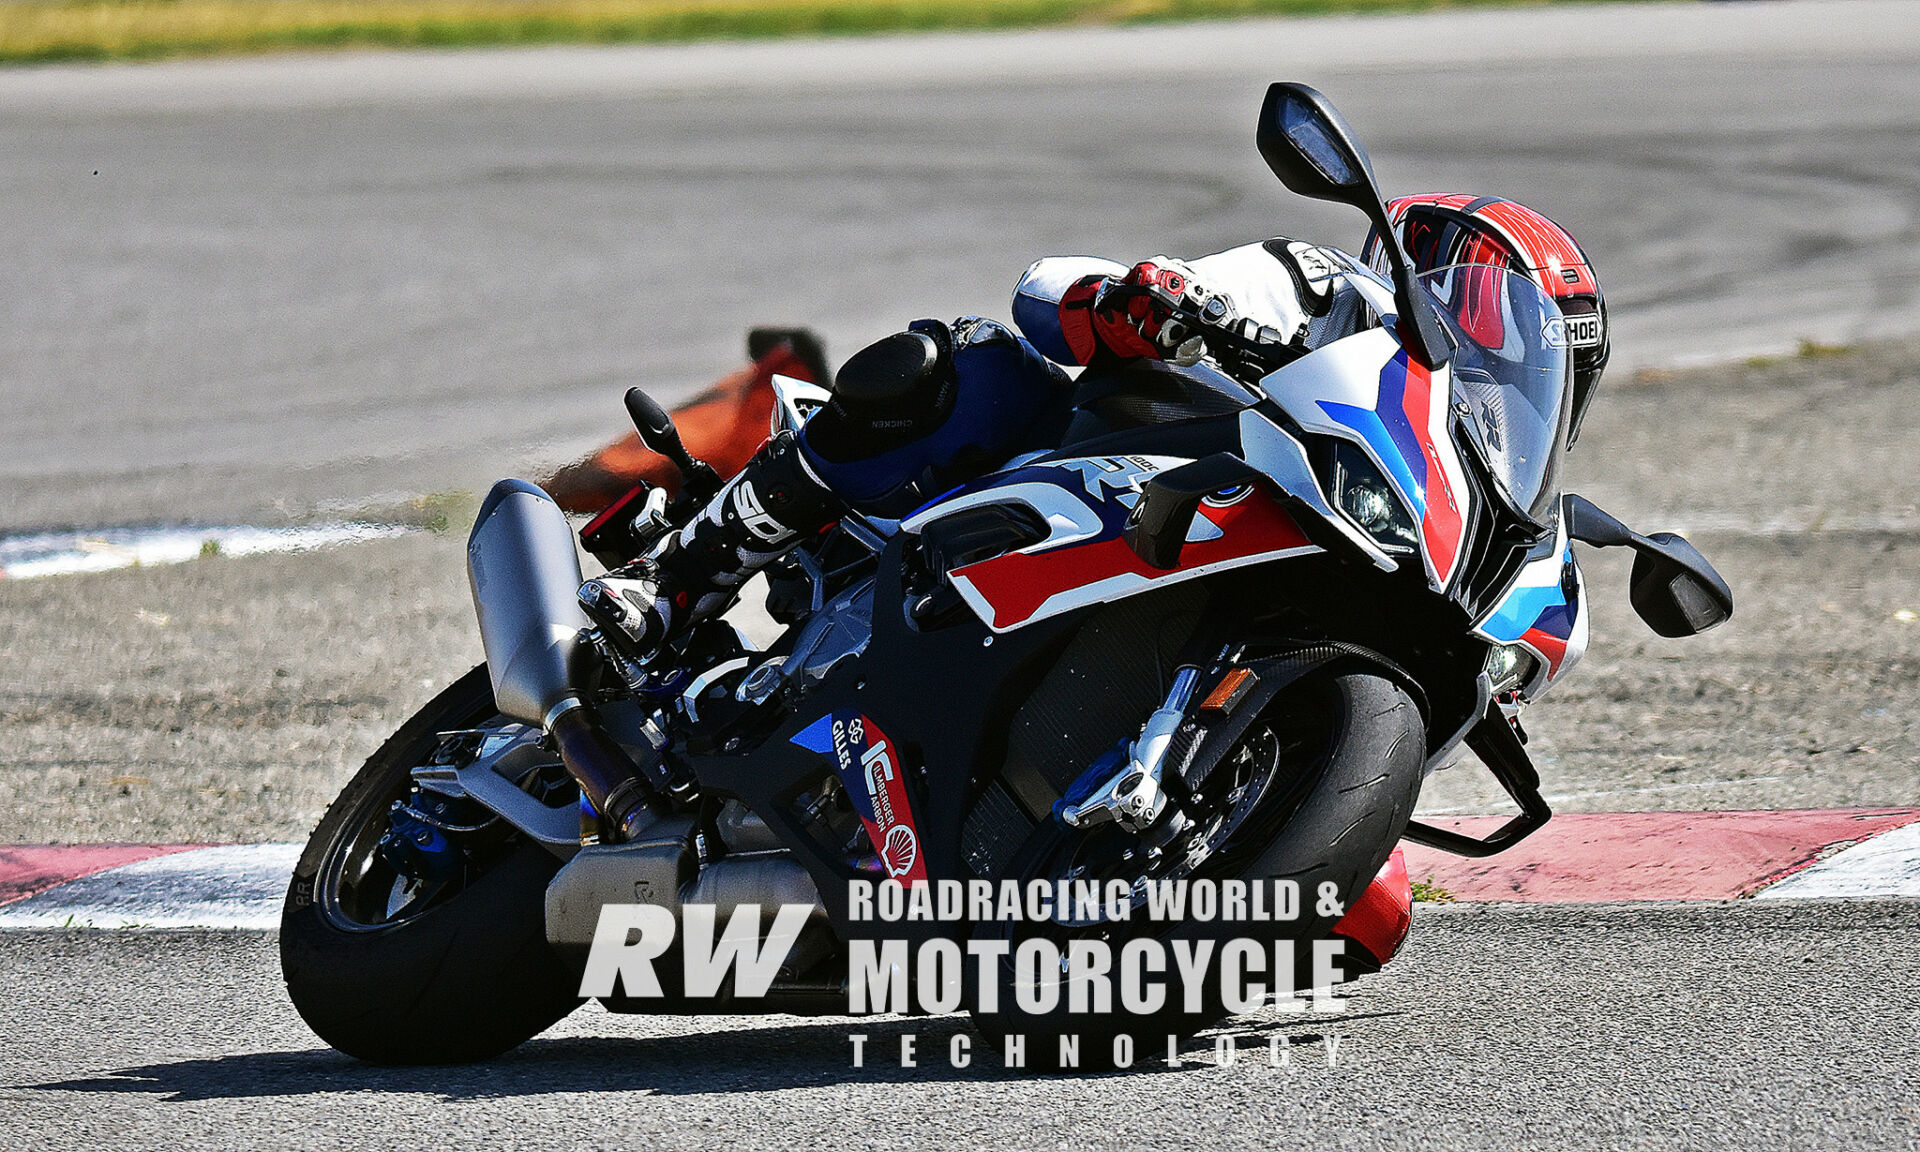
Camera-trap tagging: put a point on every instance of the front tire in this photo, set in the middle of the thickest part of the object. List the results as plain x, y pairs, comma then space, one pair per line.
464, 977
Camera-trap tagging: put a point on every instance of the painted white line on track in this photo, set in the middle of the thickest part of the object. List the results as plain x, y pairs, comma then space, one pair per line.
1887, 865
101, 550
237, 886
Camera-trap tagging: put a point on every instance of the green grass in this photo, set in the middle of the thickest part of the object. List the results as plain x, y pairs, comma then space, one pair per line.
51, 30
1427, 892
442, 512
1808, 350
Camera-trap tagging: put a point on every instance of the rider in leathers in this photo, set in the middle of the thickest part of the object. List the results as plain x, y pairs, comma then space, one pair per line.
924, 409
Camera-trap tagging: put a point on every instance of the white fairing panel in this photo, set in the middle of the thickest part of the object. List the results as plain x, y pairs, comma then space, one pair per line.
794, 401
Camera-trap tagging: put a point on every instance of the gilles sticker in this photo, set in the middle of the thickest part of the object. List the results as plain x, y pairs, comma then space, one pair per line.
869, 768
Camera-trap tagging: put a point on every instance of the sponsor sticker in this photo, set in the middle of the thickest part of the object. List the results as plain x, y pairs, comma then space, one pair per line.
1583, 331
870, 770
1553, 332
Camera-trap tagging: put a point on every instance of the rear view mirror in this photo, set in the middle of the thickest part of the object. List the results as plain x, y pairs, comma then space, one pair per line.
1673, 587
1309, 146
1675, 590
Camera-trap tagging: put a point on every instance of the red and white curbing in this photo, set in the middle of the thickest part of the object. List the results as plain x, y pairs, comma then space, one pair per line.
1602, 857
1579, 858
167, 886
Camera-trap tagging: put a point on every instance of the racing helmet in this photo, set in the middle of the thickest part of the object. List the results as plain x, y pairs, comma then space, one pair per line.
1437, 230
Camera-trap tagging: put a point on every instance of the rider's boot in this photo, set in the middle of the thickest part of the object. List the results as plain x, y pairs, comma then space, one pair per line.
891, 393
773, 504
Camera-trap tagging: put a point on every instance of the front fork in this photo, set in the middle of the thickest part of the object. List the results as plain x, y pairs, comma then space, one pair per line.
1128, 792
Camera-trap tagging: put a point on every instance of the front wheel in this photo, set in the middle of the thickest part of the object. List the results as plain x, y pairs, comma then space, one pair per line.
442, 969
1317, 790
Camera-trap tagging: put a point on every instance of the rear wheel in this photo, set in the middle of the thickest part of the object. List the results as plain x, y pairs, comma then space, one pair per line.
1317, 790
406, 969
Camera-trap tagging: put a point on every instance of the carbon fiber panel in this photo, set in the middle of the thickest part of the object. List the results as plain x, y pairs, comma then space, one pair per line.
1111, 676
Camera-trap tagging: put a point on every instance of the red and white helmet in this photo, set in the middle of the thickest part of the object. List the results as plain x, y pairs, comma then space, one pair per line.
1439, 230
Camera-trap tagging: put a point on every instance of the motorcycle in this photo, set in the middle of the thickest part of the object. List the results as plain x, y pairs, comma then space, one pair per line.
1221, 633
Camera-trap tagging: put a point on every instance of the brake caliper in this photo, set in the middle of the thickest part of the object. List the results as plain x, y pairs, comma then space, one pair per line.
416, 842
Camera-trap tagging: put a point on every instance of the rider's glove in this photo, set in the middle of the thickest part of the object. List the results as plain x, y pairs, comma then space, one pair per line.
1140, 315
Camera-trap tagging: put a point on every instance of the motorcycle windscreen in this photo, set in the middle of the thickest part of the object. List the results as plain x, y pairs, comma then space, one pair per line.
1512, 373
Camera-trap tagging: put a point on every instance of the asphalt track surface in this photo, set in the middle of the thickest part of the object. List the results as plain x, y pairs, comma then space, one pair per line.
266, 289
1783, 1026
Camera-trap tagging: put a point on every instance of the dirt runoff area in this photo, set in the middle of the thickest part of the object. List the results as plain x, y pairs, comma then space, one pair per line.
229, 699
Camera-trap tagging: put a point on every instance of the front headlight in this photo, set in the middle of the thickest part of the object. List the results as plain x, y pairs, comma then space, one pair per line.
1509, 666
1369, 501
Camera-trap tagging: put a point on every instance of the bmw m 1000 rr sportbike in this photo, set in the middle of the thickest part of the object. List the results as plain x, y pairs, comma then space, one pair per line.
1222, 632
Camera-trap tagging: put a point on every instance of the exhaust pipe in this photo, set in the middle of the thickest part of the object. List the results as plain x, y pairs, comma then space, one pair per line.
525, 577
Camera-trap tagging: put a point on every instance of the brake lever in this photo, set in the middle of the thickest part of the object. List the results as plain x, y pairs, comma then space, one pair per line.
1206, 335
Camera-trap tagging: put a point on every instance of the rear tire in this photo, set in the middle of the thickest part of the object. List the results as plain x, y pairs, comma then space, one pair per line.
465, 979
1332, 814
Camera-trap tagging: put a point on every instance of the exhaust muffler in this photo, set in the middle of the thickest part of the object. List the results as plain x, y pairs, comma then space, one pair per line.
526, 579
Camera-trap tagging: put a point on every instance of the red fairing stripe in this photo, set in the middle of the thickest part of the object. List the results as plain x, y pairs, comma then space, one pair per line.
1016, 585
1441, 525
1548, 645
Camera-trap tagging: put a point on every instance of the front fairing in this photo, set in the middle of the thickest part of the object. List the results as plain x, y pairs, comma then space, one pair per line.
1367, 391
1470, 449
1542, 614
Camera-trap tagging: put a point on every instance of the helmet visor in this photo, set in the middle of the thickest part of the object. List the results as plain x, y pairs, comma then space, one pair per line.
1511, 372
